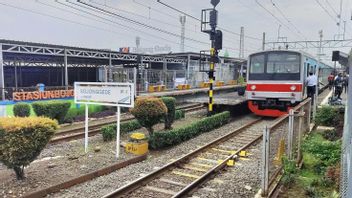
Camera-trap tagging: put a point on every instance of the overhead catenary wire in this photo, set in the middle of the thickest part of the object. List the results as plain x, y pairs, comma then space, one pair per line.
195, 18
142, 16
277, 19
107, 12
113, 22
326, 11
287, 19
136, 22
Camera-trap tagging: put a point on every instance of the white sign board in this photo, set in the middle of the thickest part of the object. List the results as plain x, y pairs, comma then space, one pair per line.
110, 94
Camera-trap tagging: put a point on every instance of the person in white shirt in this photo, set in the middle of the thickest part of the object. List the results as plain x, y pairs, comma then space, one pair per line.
311, 83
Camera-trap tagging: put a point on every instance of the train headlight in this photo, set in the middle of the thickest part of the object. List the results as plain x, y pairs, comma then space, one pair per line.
293, 88
253, 87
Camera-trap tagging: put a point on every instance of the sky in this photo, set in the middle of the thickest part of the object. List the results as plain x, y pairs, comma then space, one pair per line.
66, 22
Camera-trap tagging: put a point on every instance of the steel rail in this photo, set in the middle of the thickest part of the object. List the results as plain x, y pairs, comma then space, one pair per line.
145, 179
78, 133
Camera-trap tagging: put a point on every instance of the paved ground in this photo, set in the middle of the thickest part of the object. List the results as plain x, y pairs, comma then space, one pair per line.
231, 98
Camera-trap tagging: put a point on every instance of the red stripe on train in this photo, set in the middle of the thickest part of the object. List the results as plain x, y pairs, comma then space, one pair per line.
274, 87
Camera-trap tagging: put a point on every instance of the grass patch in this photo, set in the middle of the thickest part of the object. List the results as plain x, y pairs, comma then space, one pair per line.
319, 176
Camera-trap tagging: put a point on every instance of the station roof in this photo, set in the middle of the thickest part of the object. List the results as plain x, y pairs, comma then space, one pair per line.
40, 54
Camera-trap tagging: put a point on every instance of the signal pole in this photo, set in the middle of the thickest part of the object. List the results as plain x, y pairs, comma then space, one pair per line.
209, 18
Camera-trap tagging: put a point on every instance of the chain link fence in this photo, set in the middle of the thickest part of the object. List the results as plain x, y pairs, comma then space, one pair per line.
346, 160
283, 138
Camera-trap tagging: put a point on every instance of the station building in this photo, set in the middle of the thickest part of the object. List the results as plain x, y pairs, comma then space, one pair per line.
26, 66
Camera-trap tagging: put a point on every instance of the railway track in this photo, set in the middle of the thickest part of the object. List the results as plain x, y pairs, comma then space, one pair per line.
78, 133
184, 175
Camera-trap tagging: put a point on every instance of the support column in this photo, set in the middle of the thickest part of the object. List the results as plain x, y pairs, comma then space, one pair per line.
165, 72
110, 68
188, 64
16, 78
66, 70
2, 81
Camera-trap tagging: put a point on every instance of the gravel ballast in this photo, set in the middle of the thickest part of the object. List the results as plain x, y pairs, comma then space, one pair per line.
108, 183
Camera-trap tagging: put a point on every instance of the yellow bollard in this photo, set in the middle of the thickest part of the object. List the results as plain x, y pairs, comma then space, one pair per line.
280, 152
137, 144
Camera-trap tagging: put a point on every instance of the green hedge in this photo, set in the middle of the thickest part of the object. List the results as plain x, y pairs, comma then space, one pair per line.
170, 103
21, 109
109, 131
327, 116
52, 109
179, 114
169, 138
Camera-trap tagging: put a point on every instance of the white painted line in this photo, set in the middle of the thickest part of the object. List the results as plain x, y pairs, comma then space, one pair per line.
326, 99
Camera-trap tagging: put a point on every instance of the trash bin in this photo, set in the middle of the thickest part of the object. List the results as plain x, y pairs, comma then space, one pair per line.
40, 87
137, 144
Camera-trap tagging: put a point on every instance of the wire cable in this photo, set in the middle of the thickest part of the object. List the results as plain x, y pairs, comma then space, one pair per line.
136, 22
326, 11
288, 20
195, 18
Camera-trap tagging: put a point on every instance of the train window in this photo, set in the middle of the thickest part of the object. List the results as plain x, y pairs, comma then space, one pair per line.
257, 63
283, 63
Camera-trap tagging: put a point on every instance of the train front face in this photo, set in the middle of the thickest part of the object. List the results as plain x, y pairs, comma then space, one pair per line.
274, 82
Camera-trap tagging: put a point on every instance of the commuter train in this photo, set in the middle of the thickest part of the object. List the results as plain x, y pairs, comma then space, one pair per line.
276, 80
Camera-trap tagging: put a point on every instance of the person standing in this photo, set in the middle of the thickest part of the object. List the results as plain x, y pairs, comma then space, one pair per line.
331, 78
311, 83
338, 85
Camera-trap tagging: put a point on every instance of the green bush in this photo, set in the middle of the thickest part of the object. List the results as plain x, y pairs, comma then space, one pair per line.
52, 109
74, 112
22, 140
148, 112
331, 135
179, 114
170, 103
176, 136
329, 153
21, 109
327, 116
289, 167
109, 132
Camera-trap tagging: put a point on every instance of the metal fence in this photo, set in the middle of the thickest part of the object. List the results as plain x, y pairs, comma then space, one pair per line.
284, 137
346, 159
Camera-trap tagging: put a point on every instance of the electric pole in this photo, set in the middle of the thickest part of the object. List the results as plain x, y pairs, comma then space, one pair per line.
241, 55
209, 18
183, 25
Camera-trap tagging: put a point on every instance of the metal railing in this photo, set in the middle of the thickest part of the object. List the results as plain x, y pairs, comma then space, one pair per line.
283, 138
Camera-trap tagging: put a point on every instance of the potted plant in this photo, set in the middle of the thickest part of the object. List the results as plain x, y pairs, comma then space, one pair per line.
241, 90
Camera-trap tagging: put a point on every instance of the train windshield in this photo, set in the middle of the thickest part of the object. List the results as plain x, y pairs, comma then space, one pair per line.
275, 66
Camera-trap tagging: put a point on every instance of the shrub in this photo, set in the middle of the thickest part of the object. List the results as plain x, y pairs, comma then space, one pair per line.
289, 167
22, 109
179, 114
109, 132
149, 111
331, 135
176, 136
22, 140
170, 103
327, 116
328, 152
52, 109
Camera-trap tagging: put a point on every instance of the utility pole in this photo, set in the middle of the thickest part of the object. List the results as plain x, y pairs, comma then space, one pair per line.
241, 55
320, 49
278, 33
183, 27
209, 18
263, 44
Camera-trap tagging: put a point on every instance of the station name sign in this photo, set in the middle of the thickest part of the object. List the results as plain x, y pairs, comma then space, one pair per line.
112, 94
42, 95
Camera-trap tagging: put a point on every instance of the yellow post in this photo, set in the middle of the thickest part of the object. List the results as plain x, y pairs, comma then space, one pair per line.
280, 152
